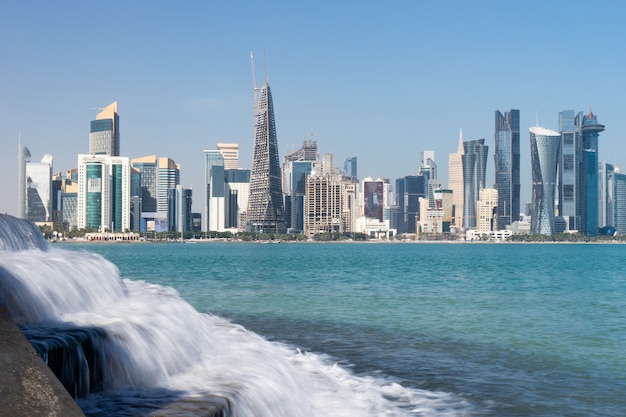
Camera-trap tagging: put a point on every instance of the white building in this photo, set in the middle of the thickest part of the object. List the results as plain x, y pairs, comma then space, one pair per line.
103, 192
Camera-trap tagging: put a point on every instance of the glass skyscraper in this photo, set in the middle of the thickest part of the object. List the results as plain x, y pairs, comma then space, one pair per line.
620, 201
544, 151
590, 132
570, 201
474, 162
507, 167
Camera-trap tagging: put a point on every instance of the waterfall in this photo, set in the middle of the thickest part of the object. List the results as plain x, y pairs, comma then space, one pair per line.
16, 234
127, 348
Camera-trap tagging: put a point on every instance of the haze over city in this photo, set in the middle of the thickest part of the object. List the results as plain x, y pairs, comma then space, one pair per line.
382, 82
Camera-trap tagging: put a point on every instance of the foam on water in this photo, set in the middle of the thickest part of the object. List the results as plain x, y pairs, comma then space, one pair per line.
157, 343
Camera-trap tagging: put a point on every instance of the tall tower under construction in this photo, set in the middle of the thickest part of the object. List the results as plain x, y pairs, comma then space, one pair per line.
265, 205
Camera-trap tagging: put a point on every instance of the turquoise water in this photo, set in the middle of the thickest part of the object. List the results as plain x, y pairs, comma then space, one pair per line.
516, 330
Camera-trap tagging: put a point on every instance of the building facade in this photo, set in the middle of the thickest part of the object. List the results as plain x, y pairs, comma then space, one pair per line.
570, 199
39, 190
474, 161
265, 211
455, 182
104, 136
590, 130
103, 192
544, 151
507, 166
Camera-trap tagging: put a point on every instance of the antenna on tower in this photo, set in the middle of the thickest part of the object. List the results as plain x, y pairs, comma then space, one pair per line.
537, 118
264, 66
256, 89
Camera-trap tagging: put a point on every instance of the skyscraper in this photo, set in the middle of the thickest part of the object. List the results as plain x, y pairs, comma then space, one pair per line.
570, 200
544, 151
23, 156
474, 160
455, 182
265, 205
213, 188
168, 177
104, 136
39, 190
590, 132
620, 201
103, 192
507, 166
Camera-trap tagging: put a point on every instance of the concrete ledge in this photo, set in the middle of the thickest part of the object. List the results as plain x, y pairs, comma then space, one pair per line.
27, 386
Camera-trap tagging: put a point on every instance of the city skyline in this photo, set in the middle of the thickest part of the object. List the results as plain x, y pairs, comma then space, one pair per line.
379, 85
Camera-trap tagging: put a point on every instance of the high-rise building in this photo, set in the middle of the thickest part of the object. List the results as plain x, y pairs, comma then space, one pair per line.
606, 195
148, 180
474, 160
324, 200
214, 189
265, 204
230, 153
544, 151
487, 210
590, 132
23, 156
295, 174
103, 192
409, 190
570, 200
455, 182
350, 168
168, 178
308, 152
620, 201
507, 167
104, 136
373, 195
39, 190
179, 201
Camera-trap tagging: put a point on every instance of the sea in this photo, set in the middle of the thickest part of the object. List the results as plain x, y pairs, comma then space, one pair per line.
349, 329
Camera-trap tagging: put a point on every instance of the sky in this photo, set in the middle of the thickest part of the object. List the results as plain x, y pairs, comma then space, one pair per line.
382, 81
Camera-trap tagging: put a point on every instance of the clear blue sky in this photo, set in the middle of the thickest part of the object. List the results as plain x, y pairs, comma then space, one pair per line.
381, 81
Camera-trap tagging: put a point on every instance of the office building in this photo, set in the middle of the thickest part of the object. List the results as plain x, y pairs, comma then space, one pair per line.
474, 162
408, 192
265, 211
168, 178
104, 136
148, 182
103, 192
179, 202
570, 199
214, 189
350, 169
295, 174
544, 151
23, 156
455, 182
230, 153
39, 190
590, 130
507, 166
620, 201
606, 195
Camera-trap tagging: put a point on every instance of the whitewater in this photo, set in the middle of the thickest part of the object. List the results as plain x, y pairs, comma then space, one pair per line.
160, 356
